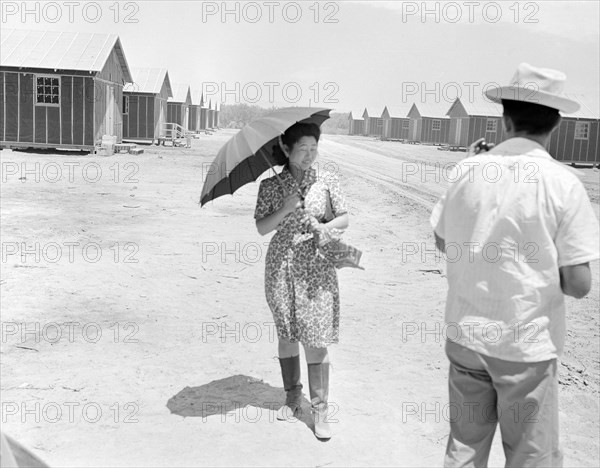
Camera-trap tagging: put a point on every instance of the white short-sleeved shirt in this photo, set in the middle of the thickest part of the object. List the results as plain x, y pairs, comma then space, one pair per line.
510, 219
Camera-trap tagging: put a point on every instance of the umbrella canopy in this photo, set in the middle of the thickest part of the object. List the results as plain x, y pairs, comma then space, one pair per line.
14, 455
250, 152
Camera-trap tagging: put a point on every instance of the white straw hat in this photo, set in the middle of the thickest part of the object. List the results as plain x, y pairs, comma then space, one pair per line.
542, 86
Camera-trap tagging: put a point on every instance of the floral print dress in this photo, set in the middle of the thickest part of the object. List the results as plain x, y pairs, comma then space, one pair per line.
301, 285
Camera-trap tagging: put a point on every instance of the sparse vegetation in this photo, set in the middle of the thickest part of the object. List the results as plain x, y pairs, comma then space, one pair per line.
238, 115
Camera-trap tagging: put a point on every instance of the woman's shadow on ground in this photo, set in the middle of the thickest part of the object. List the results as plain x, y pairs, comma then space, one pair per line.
235, 394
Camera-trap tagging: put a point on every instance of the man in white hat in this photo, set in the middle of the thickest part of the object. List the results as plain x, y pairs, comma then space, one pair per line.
519, 231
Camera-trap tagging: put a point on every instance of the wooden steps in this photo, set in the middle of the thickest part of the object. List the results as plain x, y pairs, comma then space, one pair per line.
118, 148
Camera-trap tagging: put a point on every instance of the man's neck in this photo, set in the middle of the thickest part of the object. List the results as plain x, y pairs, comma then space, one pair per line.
542, 140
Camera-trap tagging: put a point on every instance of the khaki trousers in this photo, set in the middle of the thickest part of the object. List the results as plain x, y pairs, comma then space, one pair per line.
521, 396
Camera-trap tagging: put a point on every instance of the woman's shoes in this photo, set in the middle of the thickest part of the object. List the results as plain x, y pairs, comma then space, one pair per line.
290, 371
318, 381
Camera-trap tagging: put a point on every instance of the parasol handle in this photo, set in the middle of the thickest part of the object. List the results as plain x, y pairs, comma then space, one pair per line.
285, 191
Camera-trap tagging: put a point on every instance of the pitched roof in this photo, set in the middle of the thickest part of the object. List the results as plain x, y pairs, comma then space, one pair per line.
149, 80
372, 115
475, 105
436, 110
397, 112
180, 92
197, 98
483, 107
60, 50
377, 114
356, 114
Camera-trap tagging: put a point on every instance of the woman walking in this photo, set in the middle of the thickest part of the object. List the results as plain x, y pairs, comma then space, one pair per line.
300, 283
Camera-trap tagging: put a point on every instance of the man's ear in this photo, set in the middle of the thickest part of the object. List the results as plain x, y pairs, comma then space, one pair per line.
557, 123
507, 123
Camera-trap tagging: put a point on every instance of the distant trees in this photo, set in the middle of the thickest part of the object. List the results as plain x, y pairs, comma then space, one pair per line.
336, 124
238, 115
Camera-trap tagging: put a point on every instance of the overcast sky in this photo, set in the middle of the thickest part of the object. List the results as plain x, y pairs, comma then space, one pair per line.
343, 55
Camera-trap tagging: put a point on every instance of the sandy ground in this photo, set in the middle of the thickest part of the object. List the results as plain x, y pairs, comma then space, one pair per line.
140, 335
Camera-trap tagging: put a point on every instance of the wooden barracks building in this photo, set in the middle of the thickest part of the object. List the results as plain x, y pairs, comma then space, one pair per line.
428, 123
395, 122
60, 89
577, 138
356, 123
145, 104
471, 119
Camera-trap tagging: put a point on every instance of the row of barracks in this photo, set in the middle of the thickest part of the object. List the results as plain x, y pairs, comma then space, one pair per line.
69, 89
575, 140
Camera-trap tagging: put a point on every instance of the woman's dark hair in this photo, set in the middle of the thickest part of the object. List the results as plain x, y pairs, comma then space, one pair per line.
291, 136
534, 119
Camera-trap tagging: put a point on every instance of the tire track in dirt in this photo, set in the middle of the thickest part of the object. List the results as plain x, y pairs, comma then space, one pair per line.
352, 160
